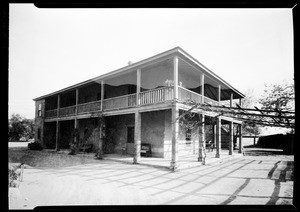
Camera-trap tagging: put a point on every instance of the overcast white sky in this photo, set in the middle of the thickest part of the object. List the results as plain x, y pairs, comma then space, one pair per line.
50, 49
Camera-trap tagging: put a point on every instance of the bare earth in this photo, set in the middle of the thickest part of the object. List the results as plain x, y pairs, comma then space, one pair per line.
245, 180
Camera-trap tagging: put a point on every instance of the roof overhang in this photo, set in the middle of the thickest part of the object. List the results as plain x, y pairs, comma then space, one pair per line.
167, 54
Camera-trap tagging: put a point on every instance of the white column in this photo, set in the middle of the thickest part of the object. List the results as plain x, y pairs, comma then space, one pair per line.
138, 86
219, 93
137, 137
230, 138
175, 133
218, 138
175, 73
202, 87
231, 98
240, 102
102, 95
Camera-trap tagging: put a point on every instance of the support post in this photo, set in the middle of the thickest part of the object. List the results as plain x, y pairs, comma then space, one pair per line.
175, 73
219, 93
202, 87
231, 98
240, 102
201, 153
76, 120
175, 132
101, 125
137, 138
240, 138
138, 86
102, 95
57, 136
57, 124
230, 138
214, 129
218, 138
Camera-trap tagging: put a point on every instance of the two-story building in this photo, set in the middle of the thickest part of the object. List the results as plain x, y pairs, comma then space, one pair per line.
140, 103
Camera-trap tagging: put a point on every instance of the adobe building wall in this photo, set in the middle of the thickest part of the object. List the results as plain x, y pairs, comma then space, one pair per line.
116, 133
39, 122
153, 131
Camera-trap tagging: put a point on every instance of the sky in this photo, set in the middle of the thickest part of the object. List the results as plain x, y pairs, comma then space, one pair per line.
50, 49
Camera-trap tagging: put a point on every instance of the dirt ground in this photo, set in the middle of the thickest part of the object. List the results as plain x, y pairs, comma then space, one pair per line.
247, 180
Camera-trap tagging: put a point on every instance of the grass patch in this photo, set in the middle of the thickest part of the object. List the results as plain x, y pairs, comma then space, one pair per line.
46, 158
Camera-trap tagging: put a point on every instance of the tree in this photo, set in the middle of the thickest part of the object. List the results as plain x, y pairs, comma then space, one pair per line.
249, 127
20, 127
279, 97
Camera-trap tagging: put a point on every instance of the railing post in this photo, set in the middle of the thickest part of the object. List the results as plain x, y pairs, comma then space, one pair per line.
138, 86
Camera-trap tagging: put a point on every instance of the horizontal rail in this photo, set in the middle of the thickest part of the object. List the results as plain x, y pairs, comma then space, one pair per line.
66, 111
51, 113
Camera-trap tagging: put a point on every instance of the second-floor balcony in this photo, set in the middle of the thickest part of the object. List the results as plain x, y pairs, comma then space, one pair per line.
158, 95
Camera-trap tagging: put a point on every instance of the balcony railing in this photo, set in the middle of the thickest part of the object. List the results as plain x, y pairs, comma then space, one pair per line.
158, 95
89, 107
67, 111
51, 113
185, 94
119, 102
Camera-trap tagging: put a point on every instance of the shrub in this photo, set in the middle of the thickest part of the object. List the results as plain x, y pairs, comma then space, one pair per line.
35, 146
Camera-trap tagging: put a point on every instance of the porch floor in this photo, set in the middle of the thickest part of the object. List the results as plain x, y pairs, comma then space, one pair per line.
185, 161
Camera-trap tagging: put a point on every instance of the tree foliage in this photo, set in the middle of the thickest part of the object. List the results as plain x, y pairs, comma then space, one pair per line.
19, 126
278, 97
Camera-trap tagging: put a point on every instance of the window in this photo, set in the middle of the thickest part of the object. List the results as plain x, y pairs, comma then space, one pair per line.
188, 136
40, 110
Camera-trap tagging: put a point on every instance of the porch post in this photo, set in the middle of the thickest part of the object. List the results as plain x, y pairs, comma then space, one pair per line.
231, 98
218, 138
175, 73
201, 152
230, 138
101, 126
240, 102
202, 87
57, 123
138, 86
102, 95
219, 93
57, 135
76, 120
137, 137
214, 126
175, 133
240, 138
